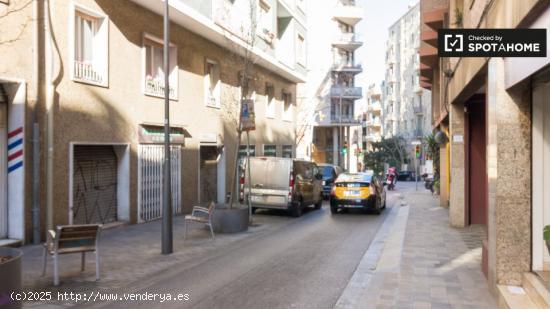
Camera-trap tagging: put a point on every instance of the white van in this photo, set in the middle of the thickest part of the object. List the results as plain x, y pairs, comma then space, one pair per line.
283, 183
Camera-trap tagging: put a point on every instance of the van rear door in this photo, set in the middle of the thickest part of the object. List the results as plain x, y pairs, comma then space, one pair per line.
270, 179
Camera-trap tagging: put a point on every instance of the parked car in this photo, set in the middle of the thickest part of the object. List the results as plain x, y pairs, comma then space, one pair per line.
404, 176
361, 190
283, 183
330, 172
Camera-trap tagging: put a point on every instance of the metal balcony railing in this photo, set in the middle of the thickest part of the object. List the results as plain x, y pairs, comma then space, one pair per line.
346, 92
87, 72
346, 119
156, 87
345, 65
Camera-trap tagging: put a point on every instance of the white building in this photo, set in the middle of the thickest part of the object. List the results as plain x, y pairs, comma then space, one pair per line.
372, 118
327, 100
406, 106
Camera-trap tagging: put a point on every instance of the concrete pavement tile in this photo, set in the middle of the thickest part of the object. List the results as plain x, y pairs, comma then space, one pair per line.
422, 305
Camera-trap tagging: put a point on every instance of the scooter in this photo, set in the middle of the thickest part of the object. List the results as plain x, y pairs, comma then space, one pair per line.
428, 183
390, 180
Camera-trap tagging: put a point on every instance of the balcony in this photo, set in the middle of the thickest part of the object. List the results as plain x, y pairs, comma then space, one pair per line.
348, 13
347, 67
354, 93
375, 107
346, 120
374, 123
155, 88
372, 137
87, 72
347, 41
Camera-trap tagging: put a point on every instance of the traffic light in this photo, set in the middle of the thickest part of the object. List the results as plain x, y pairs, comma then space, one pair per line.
345, 147
417, 151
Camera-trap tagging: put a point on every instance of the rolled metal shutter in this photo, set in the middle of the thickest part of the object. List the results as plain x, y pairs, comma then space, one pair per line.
94, 184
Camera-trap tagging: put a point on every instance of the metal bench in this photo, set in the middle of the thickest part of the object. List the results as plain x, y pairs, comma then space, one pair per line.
72, 239
201, 215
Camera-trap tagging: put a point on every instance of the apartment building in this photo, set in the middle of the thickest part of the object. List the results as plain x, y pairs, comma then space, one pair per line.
372, 118
407, 106
330, 92
492, 114
81, 94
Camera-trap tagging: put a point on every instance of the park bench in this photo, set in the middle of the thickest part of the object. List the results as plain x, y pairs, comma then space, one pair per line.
68, 239
201, 215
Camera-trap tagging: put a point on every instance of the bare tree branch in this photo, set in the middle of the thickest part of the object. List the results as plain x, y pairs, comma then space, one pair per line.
16, 9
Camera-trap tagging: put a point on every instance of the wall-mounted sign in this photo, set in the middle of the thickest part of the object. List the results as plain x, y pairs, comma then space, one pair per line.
457, 138
154, 134
248, 117
491, 43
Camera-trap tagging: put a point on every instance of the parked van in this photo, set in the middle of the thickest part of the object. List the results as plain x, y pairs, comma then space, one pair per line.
283, 183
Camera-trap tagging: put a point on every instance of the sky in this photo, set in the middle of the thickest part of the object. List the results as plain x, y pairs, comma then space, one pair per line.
379, 16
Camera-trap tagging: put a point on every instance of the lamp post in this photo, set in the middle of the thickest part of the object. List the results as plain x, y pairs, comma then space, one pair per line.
167, 239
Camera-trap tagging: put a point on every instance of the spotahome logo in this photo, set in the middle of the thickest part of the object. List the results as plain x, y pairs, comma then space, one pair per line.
492, 43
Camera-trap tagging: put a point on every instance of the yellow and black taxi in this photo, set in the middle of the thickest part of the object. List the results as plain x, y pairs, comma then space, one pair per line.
357, 190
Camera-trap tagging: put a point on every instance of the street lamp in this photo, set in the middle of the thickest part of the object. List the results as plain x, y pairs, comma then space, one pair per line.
167, 239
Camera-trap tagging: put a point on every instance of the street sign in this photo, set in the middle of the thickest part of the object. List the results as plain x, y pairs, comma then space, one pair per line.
248, 117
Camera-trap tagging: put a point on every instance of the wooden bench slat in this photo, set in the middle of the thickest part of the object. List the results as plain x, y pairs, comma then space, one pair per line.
75, 250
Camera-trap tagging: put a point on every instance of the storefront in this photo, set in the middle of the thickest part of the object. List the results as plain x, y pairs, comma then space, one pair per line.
12, 157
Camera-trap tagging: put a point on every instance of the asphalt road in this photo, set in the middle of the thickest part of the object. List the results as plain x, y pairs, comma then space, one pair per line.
304, 264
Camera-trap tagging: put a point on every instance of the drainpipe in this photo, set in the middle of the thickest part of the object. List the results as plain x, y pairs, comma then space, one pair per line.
36, 134
49, 114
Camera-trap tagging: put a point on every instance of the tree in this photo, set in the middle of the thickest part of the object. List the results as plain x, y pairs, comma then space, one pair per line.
392, 151
14, 9
433, 151
242, 55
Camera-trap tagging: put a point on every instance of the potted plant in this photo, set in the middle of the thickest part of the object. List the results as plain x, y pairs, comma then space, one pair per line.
436, 186
546, 236
10, 272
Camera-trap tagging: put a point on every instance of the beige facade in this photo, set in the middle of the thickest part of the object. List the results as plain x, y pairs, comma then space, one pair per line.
489, 104
111, 106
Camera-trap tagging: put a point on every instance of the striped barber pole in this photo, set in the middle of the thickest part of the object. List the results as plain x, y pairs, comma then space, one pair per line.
15, 149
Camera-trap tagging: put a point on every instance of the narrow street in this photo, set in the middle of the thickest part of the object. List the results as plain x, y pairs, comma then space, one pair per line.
305, 264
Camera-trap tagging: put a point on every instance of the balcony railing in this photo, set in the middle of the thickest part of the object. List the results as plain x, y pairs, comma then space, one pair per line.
346, 119
87, 72
375, 107
346, 66
372, 137
346, 92
155, 87
348, 13
347, 41
373, 122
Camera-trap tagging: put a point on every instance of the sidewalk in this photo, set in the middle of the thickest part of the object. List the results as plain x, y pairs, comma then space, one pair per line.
422, 263
130, 255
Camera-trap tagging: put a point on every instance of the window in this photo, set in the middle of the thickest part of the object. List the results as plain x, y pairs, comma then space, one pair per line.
242, 151
270, 101
212, 84
154, 68
265, 23
90, 34
242, 154
270, 150
287, 151
287, 104
301, 50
